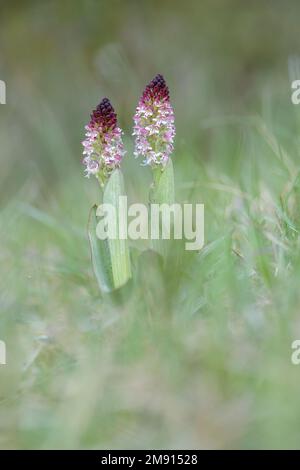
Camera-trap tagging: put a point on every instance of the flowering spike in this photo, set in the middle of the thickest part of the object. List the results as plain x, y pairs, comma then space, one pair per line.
154, 128
103, 146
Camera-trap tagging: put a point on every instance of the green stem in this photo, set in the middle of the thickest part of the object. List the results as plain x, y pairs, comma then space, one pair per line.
162, 192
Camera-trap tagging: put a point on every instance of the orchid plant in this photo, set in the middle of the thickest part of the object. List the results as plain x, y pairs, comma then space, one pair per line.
154, 133
102, 156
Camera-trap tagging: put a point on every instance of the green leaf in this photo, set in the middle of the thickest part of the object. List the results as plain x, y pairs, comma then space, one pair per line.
118, 248
110, 257
100, 255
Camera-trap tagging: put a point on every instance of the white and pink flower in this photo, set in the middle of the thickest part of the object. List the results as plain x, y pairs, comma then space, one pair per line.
103, 145
154, 128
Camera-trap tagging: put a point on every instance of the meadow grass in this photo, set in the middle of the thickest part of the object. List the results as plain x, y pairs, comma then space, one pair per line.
193, 353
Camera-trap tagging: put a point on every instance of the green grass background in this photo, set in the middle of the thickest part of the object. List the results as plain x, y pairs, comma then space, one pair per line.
193, 355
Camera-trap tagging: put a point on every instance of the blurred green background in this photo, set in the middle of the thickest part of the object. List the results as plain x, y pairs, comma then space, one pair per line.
192, 355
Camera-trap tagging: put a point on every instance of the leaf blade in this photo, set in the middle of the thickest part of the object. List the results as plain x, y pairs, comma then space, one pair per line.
100, 255
119, 250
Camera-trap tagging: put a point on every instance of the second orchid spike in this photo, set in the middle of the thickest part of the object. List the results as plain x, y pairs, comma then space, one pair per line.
103, 145
154, 128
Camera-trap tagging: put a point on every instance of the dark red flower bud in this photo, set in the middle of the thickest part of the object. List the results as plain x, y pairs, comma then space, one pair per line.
156, 90
104, 116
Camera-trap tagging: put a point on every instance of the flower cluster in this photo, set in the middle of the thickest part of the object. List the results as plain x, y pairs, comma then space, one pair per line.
154, 128
103, 146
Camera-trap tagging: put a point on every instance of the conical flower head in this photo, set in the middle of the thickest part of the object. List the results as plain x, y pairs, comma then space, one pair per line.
154, 128
103, 146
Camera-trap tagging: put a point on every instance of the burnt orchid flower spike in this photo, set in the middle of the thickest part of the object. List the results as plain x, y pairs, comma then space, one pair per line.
103, 145
103, 153
154, 128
